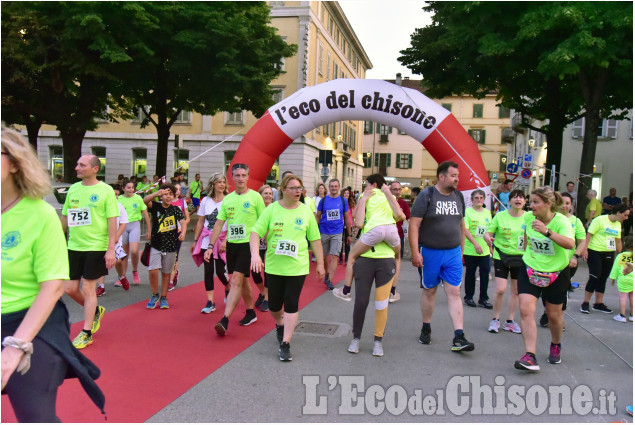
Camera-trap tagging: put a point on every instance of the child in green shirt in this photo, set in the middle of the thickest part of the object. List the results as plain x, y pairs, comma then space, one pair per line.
622, 273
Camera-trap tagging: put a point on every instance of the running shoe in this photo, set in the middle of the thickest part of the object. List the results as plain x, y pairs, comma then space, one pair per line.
512, 327
163, 303
584, 308
118, 284
99, 314
394, 298
329, 285
124, 283
135, 278
619, 318
221, 327
486, 304
424, 338
250, 317
602, 307
629, 409
171, 286
544, 320
554, 354
353, 347
264, 306
284, 352
470, 302
630, 318
82, 340
259, 301
225, 299
494, 326
378, 350
280, 333
209, 307
339, 293
527, 362
176, 277
101, 291
153, 301
460, 343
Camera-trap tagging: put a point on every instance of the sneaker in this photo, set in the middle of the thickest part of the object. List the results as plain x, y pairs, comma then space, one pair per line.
264, 306
329, 285
250, 317
353, 347
209, 307
602, 307
97, 319
584, 308
221, 327
424, 338
124, 283
394, 298
554, 354
163, 303
486, 304
225, 299
153, 301
494, 326
619, 318
629, 409
259, 301
176, 277
527, 362
470, 302
544, 320
118, 284
82, 340
512, 327
284, 352
378, 350
101, 291
280, 333
461, 344
171, 286
135, 278
630, 318
339, 293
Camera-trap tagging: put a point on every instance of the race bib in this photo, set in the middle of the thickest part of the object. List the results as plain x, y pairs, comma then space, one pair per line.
332, 215
520, 246
79, 217
288, 248
167, 225
480, 231
542, 246
236, 232
610, 244
262, 244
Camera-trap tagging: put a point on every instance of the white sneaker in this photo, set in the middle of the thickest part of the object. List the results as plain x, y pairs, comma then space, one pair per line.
619, 318
494, 326
512, 327
378, 350
339, 293
630, 318
394, 298
354, 346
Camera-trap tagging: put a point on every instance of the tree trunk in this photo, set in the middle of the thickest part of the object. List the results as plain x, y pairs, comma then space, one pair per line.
163, 134
33, 128
72, 143
554, 149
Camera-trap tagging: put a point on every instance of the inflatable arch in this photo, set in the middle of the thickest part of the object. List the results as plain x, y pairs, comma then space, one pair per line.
364, 100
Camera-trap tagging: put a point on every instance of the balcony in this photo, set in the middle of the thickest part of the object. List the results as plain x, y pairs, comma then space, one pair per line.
383, 138
517, 124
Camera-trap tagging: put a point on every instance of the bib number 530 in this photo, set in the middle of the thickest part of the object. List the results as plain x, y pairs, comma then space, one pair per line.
288, 248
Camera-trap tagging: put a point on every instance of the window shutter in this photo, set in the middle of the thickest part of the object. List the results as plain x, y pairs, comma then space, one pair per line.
577, 130
410, 160
389, 130
388, 160
398, 163
482, 142
378, 128
611, 129
376, 160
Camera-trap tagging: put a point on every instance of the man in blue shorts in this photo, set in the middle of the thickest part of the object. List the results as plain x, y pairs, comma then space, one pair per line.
436, 225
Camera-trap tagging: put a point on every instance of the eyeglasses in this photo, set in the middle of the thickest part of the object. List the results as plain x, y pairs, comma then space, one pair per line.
237, 166
295, 188
395, 188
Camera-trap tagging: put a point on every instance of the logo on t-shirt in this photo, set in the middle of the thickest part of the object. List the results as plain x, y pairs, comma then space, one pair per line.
135, 205
94, 198
11, 240
298, 221
611, 232
447, 208
246, 205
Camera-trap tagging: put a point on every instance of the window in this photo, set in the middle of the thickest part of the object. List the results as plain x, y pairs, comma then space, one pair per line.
577, 129
272, 178
100, 153
234, 118
280, 65
328, 66
56, 161
404, 160
368, 127
278, 95
330, 26
320, 59
447, 106
606, 130
345, 134
503, 112
478, 136
367, 159
335, 70
139, 161
382, 162
477, 110
181, 159
385, 130
138, 115
325, 129
184, 117
352, 139
229, 155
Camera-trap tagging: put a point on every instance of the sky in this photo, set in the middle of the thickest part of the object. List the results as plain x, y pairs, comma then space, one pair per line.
384, 28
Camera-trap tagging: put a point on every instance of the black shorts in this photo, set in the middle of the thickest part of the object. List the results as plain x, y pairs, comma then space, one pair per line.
284, 291
89, 265
556, 293
502, 271
238, 258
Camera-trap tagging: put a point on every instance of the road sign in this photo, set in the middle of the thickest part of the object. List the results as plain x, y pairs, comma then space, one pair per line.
525, 173
325, 178
494, 176
325, 171
512, 168
528, 160
511, 176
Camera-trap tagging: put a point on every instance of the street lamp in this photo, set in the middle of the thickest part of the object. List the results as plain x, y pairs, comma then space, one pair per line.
504, 160
531, 143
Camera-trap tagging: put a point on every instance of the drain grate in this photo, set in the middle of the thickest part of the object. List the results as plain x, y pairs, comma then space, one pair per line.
317, 328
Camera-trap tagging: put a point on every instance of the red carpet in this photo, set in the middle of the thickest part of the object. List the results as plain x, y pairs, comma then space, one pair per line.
150, 358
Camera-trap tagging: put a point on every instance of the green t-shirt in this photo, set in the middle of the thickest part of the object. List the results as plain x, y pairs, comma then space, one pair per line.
604, 233
578, 230
241, 213
593, 205
310, 202
142, 185
195, 188
134, 206
543, 254
33, 251
287, 233
378, 211
509, 233
624, 283
88, 209
477, 223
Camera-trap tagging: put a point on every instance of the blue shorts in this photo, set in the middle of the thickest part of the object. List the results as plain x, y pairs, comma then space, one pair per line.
441, 264
196, 202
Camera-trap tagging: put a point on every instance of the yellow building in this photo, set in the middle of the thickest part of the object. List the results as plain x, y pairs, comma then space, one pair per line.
327, 49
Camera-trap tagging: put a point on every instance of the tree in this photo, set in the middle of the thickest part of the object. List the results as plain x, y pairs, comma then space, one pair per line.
204, 57
549, 60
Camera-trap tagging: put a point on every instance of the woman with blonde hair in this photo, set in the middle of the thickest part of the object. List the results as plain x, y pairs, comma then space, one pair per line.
548, 239
35, 328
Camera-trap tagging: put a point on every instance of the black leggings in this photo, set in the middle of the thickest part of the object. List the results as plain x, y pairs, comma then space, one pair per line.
471, 263
600, 264
284, 290
219, 265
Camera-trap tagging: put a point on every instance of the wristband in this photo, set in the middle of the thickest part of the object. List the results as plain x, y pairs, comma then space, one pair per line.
25, 347
576, 256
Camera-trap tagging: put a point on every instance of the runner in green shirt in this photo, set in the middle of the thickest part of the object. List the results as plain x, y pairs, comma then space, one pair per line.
593, 208
136, 208
287, 224
476, 252
196, 187
622, 273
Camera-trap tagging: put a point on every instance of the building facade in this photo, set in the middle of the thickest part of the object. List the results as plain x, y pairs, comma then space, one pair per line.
327, 49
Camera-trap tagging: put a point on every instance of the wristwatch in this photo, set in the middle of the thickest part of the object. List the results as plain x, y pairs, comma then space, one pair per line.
548, 234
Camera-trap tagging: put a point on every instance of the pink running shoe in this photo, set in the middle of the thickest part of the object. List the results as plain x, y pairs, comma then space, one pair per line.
135, 278
125, 283
118, 283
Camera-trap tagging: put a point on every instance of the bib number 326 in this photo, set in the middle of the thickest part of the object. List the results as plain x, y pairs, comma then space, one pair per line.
236, 232
288, 248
